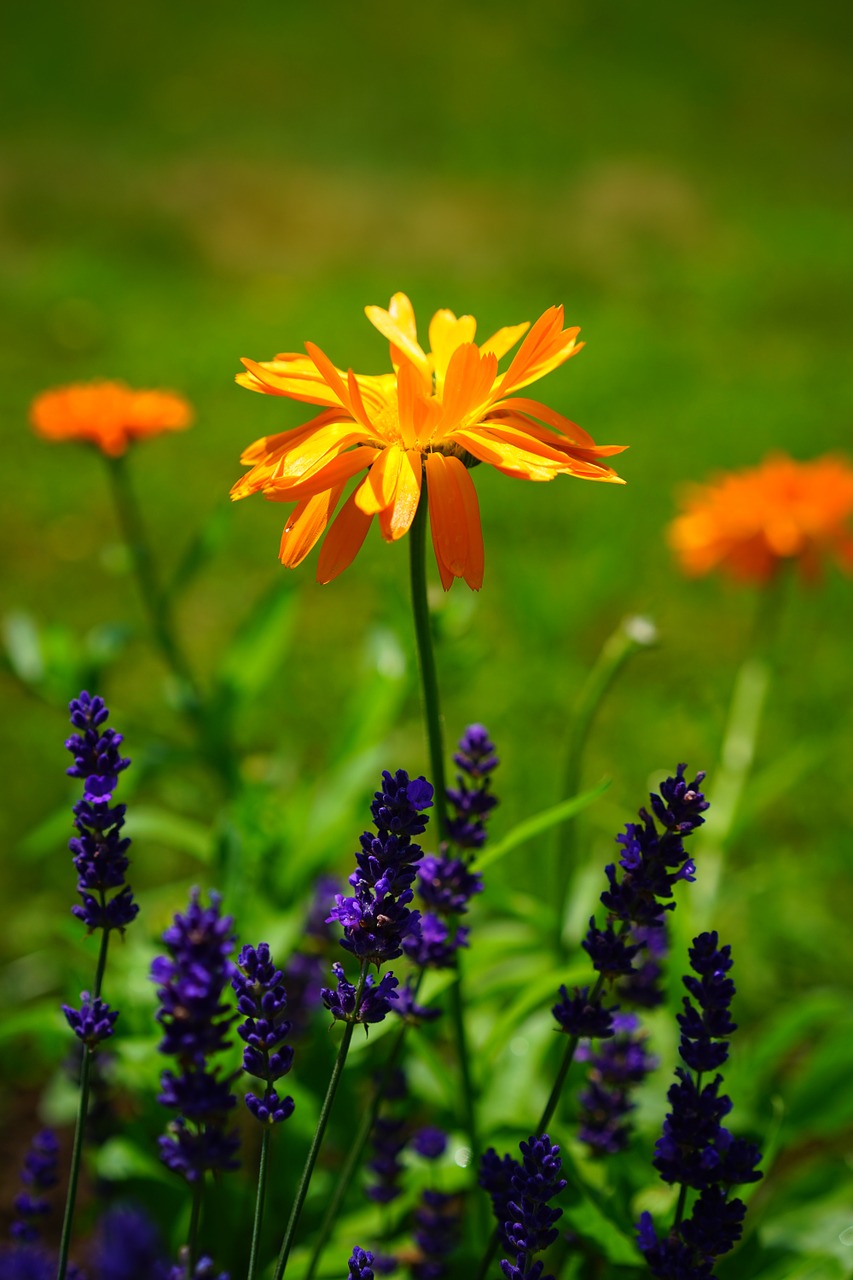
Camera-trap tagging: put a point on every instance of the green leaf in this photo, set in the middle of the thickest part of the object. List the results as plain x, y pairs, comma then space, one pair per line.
120, 1159
22, 643
260, 644
182, 834
535, 992
541, 822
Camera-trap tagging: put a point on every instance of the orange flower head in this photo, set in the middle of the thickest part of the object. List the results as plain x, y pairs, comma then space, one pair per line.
435, 415
747, 523
107, 414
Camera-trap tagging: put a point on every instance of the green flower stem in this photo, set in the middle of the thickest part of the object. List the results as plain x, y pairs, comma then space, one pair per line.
263, 1170
432, 709
214, 746
631, 636
356, 1150
737, 755
426, 660
195, 1224
136, 540
317, 1141
82, 1113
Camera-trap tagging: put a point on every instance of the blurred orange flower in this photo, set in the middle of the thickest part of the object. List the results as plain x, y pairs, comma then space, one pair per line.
746, 523
437, 414
107, 414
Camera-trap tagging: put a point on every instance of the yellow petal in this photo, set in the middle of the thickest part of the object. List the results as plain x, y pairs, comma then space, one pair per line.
396, 519
377, 490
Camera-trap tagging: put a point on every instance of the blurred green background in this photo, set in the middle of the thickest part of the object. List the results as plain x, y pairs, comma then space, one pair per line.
184, 185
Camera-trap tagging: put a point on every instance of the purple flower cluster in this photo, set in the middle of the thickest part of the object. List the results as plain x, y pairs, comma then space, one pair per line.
695, 1149
93, 1022
128, 1247
615, 1070
446, 884
38, 1175
360, 1264
262, 1000
204, 1269
99, 849
436, 1223
191, 982
377, 919
520, 1193
475, 758
652, 862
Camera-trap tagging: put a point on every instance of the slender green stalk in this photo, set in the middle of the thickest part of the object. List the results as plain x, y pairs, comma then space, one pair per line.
432, 710
82, 1112
136, 539
263, 1171
426, 660
317, 1141
213, 742
195, 1224
631, 636
356, 1152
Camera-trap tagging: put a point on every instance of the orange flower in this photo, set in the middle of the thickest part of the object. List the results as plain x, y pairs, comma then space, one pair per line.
437, 415
747, 522
107, 414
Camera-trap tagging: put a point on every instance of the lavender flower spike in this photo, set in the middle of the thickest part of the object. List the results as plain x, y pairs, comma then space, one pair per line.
191, 983
99, 849
38, 1175
93, 1022
529, 1228
360, 1264
695, 1149
262, 1000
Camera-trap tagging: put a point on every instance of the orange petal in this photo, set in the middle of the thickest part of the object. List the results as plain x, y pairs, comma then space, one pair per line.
546, 346
504, 340
342, 467
305, 525
467, 386
287, 378
377, 490
396, 519
454, 520
398, 326
343, 541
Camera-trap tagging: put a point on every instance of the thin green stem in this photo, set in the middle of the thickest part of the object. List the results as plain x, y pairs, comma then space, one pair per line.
356, 1151
213, 740
631, 636
426, 660
432, 710
136, 540
195, 1225
82, 1112
263, 1170
317, 1141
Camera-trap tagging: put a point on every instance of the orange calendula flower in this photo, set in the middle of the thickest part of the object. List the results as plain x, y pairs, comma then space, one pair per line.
107, 414
746, 523
438, 413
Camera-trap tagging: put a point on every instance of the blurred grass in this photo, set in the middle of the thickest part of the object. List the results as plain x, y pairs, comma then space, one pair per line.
181, 192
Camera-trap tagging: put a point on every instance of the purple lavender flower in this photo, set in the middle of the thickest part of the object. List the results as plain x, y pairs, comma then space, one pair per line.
447, 885
578, 1015
529, 1228
476, 758
377, 919
38, 1175
431, 945
430, 1143
262, 1000
639, 894
375, 1002
191, 983
495, 1177
99, 849
128, 1247
93, 1022
642, 988
360, 1264
615, 1070
204, 1269
436, 1221
408, 1008
695, 1149
389, 1137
